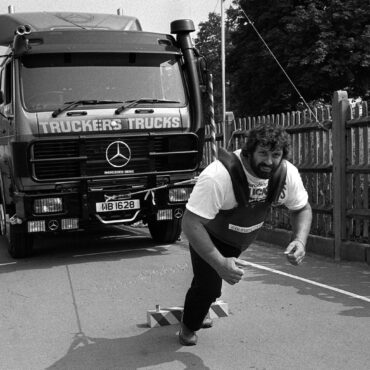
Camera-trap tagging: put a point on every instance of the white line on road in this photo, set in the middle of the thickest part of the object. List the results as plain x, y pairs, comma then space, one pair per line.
309, 281
119, 251
8, 263
111, 237
131, 230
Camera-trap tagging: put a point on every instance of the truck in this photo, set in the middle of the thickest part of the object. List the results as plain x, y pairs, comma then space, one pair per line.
100, 123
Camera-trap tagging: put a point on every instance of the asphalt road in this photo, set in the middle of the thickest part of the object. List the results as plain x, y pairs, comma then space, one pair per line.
81, 302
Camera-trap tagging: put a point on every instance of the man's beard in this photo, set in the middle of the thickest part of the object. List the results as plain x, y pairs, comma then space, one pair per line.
260, 170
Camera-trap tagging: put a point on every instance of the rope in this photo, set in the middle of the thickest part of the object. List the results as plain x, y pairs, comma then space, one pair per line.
150, 191
283, 70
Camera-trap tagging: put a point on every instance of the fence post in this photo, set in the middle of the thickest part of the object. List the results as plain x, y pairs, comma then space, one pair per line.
340, 108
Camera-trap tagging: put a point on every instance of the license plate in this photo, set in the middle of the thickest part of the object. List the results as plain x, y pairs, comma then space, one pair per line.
119, 205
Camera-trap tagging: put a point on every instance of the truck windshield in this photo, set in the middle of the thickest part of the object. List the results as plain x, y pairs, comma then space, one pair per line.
50, 80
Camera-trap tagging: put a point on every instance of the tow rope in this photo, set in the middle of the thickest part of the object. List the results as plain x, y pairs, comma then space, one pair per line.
150, 191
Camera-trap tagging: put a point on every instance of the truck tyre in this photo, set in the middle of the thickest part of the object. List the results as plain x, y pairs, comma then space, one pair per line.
2, 219
167, 231
20, 243
3, 214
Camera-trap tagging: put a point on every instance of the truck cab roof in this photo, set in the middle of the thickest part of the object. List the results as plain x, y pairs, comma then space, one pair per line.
58, 21
83, 33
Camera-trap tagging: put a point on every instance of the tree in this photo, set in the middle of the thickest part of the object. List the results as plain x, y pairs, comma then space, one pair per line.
208, 42
323, 45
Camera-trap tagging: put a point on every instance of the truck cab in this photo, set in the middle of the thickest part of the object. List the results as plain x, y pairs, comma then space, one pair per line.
100, 122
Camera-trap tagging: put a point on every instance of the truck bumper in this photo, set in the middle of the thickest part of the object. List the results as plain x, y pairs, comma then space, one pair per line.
76, 210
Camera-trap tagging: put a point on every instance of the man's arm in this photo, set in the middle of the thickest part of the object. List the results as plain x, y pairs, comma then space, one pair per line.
301, 224
197, 235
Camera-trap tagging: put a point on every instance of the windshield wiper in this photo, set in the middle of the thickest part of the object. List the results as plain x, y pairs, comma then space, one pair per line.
72, 104
132, 103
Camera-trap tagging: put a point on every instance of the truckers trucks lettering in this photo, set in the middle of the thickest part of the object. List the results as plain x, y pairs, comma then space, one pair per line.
91, 125
150, 123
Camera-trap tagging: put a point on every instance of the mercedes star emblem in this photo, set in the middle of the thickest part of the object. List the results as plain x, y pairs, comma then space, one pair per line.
118, 154
53, 225
178, 213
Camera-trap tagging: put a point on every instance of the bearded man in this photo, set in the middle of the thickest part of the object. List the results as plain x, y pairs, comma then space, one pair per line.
227, 208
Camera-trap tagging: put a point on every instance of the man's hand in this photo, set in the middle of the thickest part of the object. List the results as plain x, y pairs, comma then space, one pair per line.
229, 271
295, 252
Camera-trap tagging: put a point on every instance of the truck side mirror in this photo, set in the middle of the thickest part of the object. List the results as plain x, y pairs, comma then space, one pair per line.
202, 72
2, 99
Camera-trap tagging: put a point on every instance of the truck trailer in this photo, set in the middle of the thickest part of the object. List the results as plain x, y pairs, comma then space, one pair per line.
100, 123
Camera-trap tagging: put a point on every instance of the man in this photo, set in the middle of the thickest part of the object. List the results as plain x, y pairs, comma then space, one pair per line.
226, 210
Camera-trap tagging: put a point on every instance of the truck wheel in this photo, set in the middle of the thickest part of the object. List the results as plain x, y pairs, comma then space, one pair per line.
2, 219
20, 243
2, 207
167, 231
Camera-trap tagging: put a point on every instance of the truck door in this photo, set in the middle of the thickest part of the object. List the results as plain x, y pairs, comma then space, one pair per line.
6, 114
6, 98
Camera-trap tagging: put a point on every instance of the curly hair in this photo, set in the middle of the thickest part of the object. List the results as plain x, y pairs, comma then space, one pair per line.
273, 137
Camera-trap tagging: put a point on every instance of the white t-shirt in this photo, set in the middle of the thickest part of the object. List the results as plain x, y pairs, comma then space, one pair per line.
214, 191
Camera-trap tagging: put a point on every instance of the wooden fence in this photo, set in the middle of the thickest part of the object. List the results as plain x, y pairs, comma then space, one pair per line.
332, 155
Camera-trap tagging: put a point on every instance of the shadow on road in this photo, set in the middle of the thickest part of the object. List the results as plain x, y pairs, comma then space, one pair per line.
154, 347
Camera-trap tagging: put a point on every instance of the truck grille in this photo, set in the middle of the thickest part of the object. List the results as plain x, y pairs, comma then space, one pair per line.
87, 157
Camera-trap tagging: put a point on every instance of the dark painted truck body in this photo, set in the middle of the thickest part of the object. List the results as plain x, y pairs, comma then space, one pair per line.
100, 122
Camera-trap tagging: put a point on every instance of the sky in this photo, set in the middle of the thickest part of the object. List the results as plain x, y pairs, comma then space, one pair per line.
154, 15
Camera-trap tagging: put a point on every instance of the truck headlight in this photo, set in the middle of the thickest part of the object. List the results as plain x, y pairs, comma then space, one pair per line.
48, 205
179, 194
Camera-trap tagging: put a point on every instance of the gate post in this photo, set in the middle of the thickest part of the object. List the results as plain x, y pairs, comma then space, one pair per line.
229, 129
340, 111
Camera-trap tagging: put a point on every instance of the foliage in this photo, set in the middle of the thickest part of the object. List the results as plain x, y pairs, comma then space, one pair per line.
322, 45
208, 42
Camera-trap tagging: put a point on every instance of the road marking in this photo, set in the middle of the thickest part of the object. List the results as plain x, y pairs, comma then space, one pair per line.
261, 267
119, 251
131, 230
9, 263
124, 237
